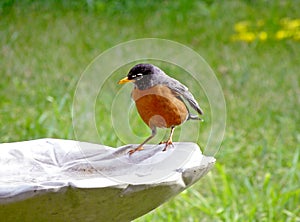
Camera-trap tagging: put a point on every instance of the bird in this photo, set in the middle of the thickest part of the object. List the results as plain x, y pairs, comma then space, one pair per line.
160, 100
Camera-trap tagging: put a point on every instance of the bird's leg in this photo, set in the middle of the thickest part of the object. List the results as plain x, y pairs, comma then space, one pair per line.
169, 141
140, 147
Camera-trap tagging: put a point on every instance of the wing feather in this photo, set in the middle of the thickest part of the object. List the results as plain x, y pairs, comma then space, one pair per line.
181, 90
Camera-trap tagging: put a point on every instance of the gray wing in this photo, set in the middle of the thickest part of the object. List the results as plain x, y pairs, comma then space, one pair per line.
182, 91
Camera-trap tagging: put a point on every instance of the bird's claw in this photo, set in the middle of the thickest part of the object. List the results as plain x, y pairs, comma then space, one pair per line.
168, 143
130, 152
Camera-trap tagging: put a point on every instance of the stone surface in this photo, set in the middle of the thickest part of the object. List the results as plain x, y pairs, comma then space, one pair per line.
65, 180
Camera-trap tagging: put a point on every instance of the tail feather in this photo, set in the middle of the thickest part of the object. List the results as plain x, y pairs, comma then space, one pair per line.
194, 117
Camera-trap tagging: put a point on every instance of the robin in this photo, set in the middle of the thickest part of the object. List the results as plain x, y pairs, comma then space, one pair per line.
160, 100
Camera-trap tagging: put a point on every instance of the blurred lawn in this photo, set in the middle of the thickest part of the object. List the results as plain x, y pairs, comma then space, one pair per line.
46, 46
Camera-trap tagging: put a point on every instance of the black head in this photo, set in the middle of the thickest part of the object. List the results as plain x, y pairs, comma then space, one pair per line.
143, 75
141, 70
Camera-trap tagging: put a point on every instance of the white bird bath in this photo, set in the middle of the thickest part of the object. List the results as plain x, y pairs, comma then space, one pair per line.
65, 180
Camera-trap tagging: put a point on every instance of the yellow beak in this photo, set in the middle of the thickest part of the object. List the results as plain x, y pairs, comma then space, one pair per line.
125, 80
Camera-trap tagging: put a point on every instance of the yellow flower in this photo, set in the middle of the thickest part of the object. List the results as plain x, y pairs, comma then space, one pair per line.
293, 24
250, 31
262, 36
282, 34
245, 36
296, 36
241, 26
290, 24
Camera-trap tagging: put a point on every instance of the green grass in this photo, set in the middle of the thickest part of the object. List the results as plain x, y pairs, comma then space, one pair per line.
46, 46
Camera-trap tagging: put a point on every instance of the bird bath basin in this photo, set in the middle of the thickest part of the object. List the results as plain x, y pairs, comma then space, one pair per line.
65, 180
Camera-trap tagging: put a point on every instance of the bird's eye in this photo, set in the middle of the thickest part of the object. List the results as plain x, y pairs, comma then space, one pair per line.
133, 76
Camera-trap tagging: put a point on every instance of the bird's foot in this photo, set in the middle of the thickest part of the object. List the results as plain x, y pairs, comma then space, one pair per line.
167, 144
130, 152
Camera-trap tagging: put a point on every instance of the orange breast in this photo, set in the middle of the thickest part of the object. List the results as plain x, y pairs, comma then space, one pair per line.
159, 107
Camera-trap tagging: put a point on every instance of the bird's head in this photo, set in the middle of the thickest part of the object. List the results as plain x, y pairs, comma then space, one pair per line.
142, 75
